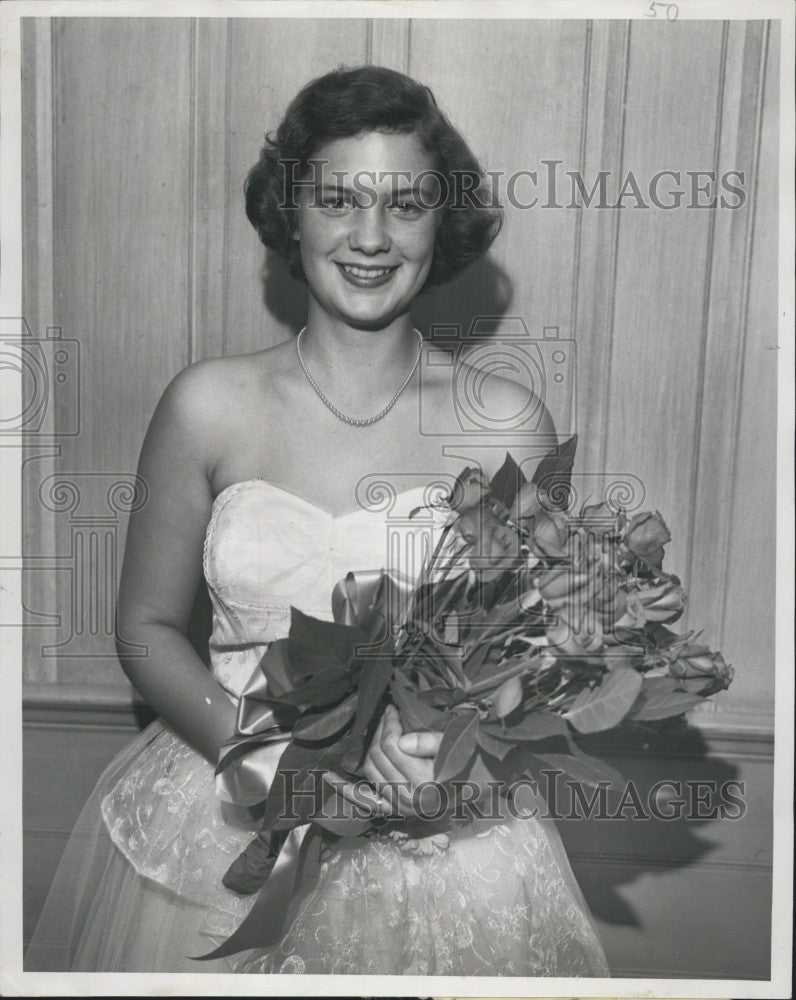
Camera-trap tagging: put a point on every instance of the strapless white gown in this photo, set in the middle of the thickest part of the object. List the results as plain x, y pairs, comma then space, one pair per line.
139, 887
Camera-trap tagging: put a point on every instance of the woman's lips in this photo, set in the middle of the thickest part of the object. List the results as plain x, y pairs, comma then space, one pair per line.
366, 277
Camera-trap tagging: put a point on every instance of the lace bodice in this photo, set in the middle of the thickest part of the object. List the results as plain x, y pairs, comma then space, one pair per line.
267, 548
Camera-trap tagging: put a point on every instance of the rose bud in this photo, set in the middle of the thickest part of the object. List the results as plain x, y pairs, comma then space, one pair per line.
549, 534
468, 524
599, 514
605, 589
469, 489
663, 602
635, 614
495, 545
645, 536
613, 610
701, 664
585, 627
528, 502
576, 643
564, 642
559, 583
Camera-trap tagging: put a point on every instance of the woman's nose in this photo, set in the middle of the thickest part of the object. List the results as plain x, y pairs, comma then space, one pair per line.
369, 231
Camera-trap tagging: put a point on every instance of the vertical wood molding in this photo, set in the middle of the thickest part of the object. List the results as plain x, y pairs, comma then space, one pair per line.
726, 327
39, 524
388, 43
595, 276
210, 197
122, 248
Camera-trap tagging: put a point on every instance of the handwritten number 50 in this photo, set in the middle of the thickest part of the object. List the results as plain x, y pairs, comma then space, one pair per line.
672, 10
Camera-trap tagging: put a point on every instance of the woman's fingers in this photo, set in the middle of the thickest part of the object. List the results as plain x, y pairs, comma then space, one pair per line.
391, 783
383, 763
391, 723
423, 744
359, 794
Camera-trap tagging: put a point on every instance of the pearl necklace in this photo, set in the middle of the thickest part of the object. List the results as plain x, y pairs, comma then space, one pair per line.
338, 413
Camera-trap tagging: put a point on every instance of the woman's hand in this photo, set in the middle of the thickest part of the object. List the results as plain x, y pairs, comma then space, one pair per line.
398, 764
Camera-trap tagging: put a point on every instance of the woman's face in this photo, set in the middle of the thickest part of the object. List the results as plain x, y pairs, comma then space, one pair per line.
366, 235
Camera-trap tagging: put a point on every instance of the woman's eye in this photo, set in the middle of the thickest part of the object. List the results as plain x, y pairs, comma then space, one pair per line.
406, 209
336, 203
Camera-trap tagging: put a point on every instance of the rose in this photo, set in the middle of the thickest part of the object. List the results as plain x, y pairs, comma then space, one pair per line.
660, 603
581, 639
549, 534
561, 586
599, 515
693, 661
495, 545
634, 614
469, 490
663, 602
529, 501
610, 599
645, 536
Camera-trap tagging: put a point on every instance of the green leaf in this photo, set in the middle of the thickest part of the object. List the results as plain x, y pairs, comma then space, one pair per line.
507, 481
554, 472
415, 714
324, 688
389, 601
491, 745
507, 697
376, 674
660, 704
346, 756
437, 697
457, 746
535, 726
604, 706
314, 645
695, 685
317, 726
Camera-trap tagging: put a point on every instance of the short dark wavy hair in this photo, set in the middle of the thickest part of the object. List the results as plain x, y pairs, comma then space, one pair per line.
346, 103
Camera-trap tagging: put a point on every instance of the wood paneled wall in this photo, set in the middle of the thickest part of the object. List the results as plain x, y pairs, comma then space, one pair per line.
139, 133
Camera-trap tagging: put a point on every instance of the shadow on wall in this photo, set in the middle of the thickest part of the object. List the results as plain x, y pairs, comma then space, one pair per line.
661, 767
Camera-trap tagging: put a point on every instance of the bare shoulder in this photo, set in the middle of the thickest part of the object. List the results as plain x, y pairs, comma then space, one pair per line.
488, 398
214, 389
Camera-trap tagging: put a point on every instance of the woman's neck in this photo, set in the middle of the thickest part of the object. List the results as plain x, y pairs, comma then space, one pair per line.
343, 354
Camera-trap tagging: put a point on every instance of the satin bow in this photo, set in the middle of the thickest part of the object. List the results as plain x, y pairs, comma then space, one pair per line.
370, 601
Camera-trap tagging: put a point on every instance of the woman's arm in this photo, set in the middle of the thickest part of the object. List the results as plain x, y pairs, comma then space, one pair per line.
163, 564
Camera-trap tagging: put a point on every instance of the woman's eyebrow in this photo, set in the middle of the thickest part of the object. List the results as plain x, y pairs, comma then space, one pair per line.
342, 188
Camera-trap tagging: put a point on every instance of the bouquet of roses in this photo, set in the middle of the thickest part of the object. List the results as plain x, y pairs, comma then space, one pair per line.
530, 625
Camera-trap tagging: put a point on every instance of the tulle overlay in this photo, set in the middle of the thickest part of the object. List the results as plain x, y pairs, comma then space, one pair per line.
139, 886
501, 900
147, 895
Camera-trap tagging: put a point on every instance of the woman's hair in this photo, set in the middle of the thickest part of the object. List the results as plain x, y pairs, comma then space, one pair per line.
346, 103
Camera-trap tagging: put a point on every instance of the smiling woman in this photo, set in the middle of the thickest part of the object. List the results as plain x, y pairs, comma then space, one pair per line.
232, 495
365, 264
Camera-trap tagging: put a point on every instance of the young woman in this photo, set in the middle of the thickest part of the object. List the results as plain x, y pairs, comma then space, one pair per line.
255, 467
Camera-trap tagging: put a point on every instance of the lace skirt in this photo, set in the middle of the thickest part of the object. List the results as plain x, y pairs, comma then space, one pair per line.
139, 890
